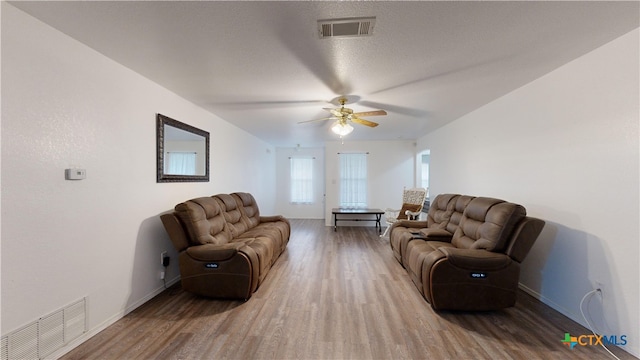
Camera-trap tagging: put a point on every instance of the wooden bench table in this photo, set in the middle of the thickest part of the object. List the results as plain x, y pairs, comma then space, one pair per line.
357, 214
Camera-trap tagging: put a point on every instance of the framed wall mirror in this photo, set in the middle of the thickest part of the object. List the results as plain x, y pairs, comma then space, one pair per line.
182, 151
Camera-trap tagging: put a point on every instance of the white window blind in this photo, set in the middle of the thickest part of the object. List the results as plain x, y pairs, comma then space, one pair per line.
301, 180
353, 180
180, 163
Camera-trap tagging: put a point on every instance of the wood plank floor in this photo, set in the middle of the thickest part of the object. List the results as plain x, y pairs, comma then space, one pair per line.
334, 295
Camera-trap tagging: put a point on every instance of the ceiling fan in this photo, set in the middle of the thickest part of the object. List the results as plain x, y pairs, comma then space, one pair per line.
344, 116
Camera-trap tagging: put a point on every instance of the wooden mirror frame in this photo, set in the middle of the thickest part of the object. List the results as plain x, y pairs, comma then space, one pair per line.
161, 121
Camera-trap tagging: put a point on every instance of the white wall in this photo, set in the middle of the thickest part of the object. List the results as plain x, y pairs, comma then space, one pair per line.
65, 104
391, 167
283, 177
566, 147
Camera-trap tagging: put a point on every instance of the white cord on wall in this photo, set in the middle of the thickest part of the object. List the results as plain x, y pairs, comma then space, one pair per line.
590, 293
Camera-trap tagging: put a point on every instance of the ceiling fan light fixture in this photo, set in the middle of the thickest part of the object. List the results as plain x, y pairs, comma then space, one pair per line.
341, 128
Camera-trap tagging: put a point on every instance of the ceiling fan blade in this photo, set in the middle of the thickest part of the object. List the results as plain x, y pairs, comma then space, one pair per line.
396, 108
314, 120
371, 113
368, 123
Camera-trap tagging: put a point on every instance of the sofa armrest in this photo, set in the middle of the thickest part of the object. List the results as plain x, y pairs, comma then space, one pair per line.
469, 279
216, 252
435, 234
525, 234
475, 259
273, 218
176, 232
406, 224
427, 233
411, 223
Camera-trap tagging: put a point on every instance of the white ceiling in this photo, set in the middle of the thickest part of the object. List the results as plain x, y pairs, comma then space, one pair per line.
262, 65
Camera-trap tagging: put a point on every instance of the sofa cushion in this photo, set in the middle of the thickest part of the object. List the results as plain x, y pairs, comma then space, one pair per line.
440, 210
232, 214
279, 222
416, 254
460, 205
401, 238
249, 208
271, 231
486, 224
264, 247
204, 221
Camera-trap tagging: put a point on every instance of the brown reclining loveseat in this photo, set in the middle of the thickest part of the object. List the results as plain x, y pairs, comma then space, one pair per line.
467, 254
225, 247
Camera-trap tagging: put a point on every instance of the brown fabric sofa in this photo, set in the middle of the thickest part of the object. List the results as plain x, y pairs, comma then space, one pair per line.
467, 254
225, 247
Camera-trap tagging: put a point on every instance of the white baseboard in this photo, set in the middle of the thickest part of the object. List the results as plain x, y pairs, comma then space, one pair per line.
550, 303
562, 310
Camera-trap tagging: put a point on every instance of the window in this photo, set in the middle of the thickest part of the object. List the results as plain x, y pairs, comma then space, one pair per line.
301, 180
180, 163
353, 180
424, 175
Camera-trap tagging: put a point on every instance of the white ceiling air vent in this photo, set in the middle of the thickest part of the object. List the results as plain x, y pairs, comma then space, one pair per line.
348, 27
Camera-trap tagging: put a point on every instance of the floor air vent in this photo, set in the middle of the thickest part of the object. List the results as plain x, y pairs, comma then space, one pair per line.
47, 334
350, 27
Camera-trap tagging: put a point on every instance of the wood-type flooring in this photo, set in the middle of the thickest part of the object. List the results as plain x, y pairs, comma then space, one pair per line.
334, 295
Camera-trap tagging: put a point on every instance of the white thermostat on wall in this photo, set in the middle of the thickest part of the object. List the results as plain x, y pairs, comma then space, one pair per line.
75, 174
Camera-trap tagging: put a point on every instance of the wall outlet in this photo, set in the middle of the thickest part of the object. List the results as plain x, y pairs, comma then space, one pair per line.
163, 255
600, 286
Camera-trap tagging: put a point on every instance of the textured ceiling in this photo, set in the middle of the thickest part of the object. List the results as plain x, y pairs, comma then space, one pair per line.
263, 67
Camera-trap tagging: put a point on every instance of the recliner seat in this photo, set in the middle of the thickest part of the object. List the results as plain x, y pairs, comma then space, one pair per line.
477, 267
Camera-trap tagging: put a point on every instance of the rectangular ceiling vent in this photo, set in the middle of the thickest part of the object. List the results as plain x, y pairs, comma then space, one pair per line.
348, 27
